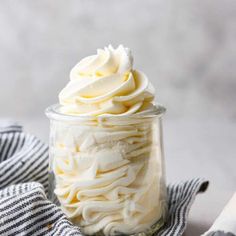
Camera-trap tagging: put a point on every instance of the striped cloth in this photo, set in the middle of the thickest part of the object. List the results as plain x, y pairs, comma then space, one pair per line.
25, 209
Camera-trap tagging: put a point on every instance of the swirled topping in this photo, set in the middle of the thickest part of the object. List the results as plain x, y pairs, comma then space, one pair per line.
106, 84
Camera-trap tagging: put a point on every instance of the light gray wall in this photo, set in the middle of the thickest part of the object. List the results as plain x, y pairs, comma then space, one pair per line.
186, 47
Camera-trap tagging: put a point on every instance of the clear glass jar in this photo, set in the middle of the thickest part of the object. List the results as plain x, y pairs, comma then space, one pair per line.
107, 173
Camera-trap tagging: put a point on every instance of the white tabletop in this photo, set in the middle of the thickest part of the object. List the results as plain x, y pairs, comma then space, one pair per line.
192, 149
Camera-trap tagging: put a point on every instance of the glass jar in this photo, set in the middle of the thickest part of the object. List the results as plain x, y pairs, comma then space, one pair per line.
107, 173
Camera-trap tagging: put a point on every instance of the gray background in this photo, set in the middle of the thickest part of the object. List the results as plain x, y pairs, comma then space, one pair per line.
187, 49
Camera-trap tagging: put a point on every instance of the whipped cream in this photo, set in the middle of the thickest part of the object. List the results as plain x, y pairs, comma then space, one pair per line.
106, 83
109, 175
109, 179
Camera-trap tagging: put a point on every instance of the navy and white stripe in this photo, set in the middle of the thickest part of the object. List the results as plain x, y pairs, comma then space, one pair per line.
25, 209
23, 158
180, 198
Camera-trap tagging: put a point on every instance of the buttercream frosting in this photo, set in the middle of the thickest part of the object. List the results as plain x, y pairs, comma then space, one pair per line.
106, 83
108, 176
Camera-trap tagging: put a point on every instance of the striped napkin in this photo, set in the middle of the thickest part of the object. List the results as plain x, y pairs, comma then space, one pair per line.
25, 209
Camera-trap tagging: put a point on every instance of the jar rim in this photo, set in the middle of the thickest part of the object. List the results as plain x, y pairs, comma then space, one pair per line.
53, 112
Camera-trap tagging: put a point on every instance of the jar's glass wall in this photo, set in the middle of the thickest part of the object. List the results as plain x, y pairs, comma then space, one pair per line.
108, 176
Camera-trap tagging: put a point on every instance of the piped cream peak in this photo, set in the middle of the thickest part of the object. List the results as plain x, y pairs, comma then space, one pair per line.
106, 84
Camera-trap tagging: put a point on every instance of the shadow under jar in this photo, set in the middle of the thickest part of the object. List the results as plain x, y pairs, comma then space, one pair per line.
107, 173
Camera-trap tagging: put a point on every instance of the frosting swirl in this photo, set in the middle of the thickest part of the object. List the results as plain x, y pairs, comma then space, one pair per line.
109, 176
106, 84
